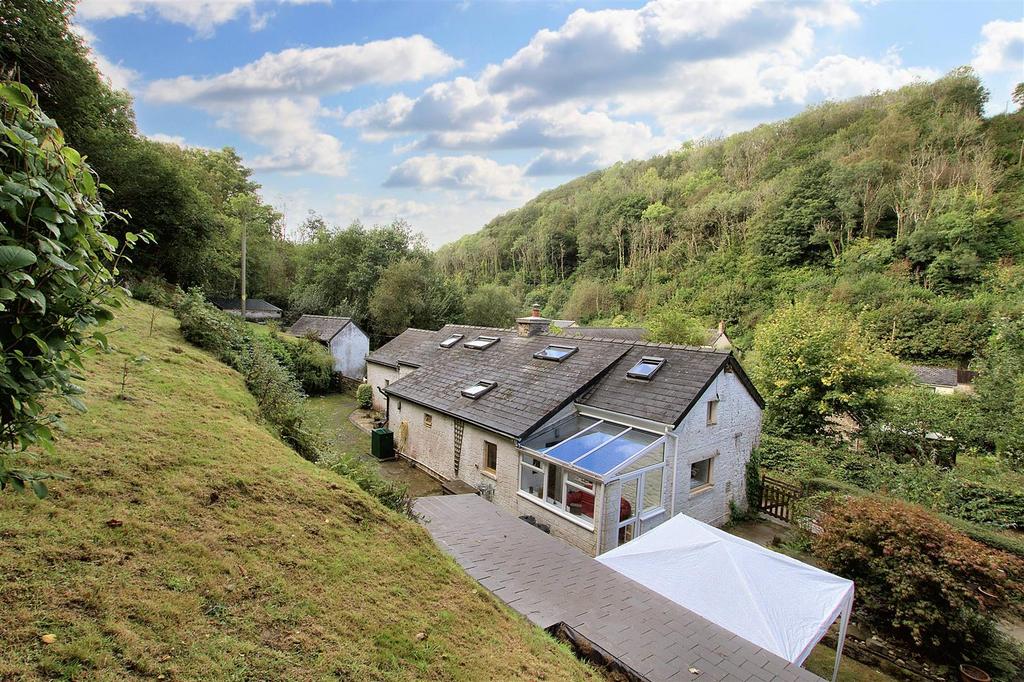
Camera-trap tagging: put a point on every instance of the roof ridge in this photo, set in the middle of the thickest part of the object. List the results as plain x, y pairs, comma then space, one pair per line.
645, 344
325, 317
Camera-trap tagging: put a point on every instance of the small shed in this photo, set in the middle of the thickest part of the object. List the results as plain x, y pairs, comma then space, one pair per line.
348, 343
256, 309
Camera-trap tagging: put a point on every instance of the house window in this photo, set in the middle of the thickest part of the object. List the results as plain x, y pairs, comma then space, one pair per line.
555, 352
399, 405
478, 389
712, 412
450, 341
490, 457
481, 342
428, 420
387, 382
565, 490
700, 474
646, 368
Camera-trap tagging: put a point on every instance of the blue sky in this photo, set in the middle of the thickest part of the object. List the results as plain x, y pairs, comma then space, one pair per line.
447, 114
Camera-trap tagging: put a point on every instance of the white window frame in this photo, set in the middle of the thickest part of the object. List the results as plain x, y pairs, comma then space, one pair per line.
710, 483
562, 508
712, 412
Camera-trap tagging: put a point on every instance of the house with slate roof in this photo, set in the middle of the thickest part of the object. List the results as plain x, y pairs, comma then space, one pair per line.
347, 342
945, 380
600, 440
256, 309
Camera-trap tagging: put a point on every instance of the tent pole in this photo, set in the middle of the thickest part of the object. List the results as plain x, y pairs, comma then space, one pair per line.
844, 620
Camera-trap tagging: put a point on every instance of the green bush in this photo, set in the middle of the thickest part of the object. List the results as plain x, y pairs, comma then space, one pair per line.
312, 364
392, 495
58, 265
919, 580
364, 396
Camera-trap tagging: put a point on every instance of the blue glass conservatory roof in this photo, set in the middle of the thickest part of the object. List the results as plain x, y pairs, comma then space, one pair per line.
593, 445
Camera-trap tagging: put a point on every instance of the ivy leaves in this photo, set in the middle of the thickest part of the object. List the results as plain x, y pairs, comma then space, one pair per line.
57, 279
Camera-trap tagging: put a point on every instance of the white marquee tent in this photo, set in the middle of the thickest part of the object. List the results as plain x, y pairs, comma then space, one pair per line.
780, 604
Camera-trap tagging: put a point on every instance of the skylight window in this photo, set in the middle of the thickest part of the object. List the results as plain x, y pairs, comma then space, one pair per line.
646, 368
478, 389
481, 342
555, 352
451, 341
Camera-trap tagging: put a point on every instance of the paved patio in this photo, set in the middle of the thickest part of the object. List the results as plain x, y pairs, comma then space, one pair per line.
550, 582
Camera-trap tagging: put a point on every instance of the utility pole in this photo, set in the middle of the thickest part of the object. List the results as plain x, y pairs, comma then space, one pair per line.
243, 268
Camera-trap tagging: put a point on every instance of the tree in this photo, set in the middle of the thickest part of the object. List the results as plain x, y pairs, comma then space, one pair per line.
491, 305
670, 325
57, 269
1000, 390
411, 294
813, 363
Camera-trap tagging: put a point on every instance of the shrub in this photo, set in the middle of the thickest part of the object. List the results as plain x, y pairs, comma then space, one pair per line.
392, 495
364, 396
57, 277
312, 364
919, 579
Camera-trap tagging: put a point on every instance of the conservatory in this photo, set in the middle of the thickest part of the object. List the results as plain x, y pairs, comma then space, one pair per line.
582, 464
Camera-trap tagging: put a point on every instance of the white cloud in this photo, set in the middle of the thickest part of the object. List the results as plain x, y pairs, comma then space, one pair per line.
610, 85
290, 128
441, 220
482, 177
1001, 48
274, 100
203, 16
313, 70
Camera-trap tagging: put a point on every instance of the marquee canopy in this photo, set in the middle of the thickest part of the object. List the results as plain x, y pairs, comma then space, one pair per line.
780, 604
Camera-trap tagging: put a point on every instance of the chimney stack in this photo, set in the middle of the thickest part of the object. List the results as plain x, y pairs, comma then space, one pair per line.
721, 326
534, 324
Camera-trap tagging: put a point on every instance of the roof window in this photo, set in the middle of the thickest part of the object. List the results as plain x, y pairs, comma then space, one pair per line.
555, 352
450, 341
646, 368
478, 389
481, 342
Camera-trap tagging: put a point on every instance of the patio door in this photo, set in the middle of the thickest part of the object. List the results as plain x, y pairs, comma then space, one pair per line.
630, 508
640, 498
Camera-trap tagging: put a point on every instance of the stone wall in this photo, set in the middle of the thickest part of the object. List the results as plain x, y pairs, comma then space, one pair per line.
729, 442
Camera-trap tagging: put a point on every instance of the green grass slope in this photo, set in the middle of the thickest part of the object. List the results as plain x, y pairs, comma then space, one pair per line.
189, 543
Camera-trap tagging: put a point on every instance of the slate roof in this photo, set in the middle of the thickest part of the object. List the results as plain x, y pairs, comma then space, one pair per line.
414, 347
624, 333
528, 390
668, 396
251, 304
324, 327
563, 324
934, 376
713, 335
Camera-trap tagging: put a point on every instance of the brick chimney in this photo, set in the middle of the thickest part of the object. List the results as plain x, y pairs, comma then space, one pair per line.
721, 326
532, 325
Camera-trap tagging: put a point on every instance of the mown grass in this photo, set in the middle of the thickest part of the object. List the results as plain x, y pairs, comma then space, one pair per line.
189, 543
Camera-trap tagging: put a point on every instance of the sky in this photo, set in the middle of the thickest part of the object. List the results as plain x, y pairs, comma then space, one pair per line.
447, 114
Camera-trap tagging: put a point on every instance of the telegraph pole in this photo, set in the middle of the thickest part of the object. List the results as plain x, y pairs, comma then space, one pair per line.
243, 269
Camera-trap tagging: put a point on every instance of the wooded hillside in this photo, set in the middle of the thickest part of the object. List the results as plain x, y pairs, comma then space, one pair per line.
903, 207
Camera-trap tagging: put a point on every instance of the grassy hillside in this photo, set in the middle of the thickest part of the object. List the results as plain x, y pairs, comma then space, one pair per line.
190, 544
904, 208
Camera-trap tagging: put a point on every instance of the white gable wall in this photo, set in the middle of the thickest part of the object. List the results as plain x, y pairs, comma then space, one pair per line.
729, 442
349, 348
379, 376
